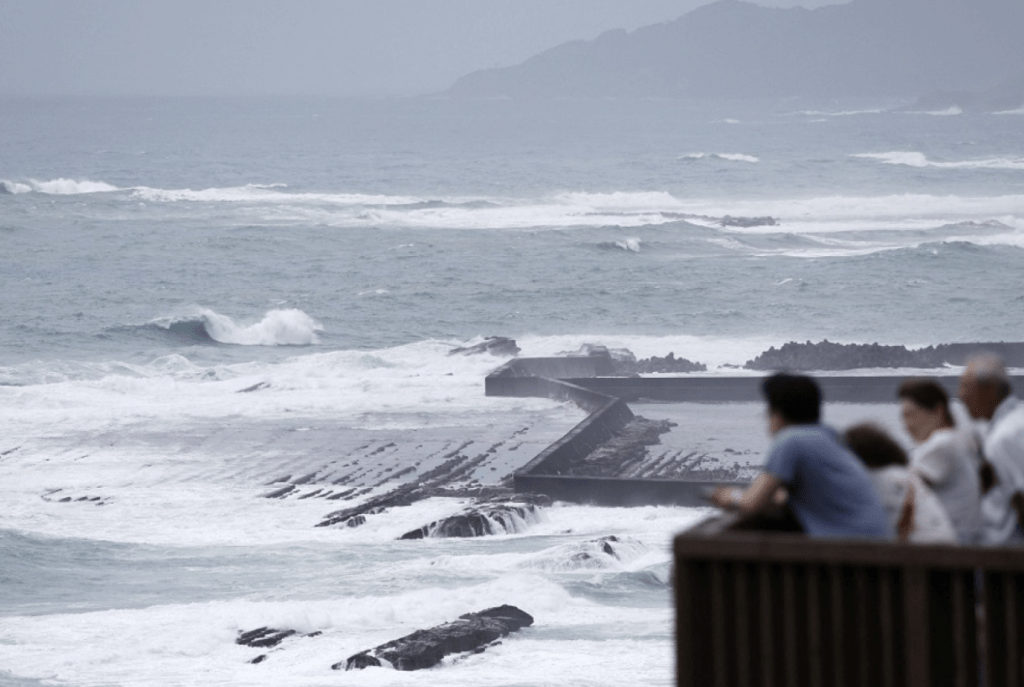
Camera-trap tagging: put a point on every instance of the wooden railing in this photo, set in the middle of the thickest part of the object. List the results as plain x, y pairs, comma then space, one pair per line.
773, 608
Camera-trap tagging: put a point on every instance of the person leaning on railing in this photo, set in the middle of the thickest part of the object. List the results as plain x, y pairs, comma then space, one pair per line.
986, 392
828, 489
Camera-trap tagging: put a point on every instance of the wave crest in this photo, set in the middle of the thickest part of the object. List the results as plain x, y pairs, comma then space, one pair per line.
56, 187
920, 160
290, 327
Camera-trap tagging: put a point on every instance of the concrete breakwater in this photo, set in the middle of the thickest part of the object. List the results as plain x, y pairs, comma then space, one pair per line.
603, 479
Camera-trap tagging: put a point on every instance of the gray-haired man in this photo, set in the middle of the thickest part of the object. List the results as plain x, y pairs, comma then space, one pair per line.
985, 390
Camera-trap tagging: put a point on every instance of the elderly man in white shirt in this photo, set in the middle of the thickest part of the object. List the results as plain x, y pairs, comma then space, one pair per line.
986, 392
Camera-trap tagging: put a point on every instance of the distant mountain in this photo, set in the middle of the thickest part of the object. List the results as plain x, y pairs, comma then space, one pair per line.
736, 49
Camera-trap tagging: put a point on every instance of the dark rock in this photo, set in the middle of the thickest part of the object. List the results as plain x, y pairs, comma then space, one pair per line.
263, 637
833, 356
747, 222
255, 387
496, 517
495, 345
471, 633
622, 362
655, 365
279, 493
259, 659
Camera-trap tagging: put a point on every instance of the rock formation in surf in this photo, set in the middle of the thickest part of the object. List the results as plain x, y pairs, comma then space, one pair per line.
471, 633
829, 356
622, 361
499, 516
495, 345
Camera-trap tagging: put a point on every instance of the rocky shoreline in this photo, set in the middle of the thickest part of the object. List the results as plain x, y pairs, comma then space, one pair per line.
823, 356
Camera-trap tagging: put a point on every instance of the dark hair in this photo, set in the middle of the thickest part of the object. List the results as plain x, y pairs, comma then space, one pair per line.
874, 447
926, 393
796, 398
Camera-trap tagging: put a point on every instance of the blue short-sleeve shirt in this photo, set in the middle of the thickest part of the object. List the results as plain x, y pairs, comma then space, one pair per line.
830, 491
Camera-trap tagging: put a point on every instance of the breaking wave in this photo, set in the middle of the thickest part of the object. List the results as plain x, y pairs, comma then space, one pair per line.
920, 160
266, 193
277, 328
56, 187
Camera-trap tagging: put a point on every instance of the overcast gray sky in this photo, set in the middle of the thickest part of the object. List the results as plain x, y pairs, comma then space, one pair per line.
323, 47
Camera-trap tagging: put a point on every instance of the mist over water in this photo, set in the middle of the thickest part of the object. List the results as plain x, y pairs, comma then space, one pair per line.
202, 297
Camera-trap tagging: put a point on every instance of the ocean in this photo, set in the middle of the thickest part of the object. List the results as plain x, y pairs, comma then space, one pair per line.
159, 257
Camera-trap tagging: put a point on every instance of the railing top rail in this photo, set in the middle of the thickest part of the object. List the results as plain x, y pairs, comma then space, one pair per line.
713, 541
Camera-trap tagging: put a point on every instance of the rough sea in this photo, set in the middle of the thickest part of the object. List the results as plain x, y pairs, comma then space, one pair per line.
160, 257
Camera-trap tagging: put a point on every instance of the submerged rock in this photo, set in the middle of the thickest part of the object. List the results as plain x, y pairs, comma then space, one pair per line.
473, 632
495, 345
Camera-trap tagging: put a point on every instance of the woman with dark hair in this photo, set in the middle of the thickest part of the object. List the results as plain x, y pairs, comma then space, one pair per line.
946, 457
914, 510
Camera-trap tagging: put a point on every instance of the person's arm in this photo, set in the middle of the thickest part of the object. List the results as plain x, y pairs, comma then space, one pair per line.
905, 523
757, 496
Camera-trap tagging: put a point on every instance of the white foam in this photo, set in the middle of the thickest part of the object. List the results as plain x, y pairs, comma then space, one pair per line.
14, 188
920, 160
1018, 111
841, 113
712, 351
62, 187
629, 244
258, 193
729, 157
948, 112
277, 328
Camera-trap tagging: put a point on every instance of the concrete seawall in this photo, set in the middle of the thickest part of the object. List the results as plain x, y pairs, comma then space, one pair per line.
584, 381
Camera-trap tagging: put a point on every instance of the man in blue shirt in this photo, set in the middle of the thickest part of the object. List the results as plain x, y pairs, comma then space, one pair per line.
829, 490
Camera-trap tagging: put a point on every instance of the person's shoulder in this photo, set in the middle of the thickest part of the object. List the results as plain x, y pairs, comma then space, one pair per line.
1010, 427
942, 443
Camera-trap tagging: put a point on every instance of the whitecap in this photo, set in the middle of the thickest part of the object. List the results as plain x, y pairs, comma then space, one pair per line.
13, 187
920, 160
630, 244
61, 187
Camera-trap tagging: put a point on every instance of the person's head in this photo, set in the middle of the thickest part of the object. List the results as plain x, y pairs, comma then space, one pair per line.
874, 447
792, 400
925, 407
983, 385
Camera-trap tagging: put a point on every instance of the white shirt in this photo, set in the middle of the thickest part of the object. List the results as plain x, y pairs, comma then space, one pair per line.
931, 524
949, 461
1004, 449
